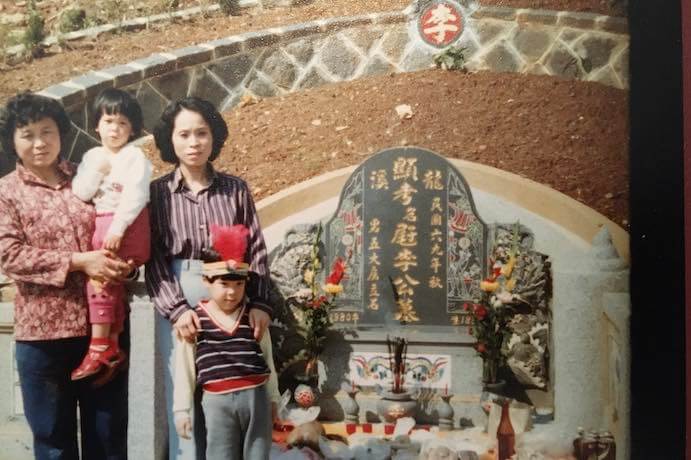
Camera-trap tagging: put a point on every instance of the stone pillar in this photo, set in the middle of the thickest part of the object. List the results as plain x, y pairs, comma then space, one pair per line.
617, 412
581, 362
147, 429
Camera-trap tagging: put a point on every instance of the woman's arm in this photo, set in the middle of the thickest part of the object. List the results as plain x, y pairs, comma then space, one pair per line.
258, 288
161, 283
24, 262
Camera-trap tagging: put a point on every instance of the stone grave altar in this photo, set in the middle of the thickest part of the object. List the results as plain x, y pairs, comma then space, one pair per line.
417, 251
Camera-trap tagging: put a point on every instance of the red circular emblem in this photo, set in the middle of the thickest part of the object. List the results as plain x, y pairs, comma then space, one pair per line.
440, 23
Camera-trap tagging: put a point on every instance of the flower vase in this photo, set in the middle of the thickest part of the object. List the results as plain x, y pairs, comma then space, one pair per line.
445, 413
351, 409
393, 406
490, 368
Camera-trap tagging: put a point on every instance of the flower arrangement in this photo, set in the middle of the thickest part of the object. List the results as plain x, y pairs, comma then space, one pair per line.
314, 303
492, 314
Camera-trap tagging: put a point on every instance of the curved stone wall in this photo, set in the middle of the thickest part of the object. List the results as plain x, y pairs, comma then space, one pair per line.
283, 60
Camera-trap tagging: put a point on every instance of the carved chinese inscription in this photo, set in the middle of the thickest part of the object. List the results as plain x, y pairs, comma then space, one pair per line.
417, 246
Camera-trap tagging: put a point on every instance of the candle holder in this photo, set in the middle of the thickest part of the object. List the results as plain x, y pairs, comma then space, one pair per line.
445, 412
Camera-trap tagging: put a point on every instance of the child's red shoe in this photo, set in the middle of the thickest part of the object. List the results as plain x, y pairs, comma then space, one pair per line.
110, 372
96, 360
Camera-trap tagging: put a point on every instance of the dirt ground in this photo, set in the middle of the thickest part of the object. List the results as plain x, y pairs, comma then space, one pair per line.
570, 135
78, 57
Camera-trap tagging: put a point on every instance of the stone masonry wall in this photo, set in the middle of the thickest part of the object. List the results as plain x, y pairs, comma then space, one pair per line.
283, 60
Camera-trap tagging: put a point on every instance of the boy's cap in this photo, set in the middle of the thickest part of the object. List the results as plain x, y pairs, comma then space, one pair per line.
231, 244
225, 267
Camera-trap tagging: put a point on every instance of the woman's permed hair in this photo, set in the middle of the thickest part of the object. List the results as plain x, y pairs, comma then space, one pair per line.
25, 108
163, 132
114, 101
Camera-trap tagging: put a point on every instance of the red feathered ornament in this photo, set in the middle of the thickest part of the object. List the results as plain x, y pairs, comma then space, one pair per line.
230, 242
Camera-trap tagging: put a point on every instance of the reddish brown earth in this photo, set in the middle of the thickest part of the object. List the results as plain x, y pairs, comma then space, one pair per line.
570, 135
112, 49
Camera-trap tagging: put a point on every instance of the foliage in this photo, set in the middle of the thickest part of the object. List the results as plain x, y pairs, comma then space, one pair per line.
114, 10
72, 19
35, 32
230, 7
5, 40
492, 314
315, 303
451, 58
160, 6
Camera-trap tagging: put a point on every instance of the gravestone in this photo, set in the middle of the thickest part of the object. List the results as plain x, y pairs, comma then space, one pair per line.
415, 244
416, 252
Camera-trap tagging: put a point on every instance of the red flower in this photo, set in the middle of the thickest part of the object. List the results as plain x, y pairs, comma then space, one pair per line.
480, 347
317, 303
337, 271
479, 311
465, 306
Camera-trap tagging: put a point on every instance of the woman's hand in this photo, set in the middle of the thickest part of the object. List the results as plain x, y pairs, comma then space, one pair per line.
259, 321
187, 325
101, 265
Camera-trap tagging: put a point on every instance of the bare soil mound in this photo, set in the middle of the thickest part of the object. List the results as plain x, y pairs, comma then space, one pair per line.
572, 136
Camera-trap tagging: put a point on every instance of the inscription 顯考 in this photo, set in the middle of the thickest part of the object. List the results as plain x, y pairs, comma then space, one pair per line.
416, 244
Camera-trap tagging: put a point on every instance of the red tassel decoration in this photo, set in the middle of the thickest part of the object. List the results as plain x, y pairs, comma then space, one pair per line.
230, 242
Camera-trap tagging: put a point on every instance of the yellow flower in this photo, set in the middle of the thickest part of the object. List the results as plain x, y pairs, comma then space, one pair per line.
308, 276
489, 286
510, 284
333, 289
507, 268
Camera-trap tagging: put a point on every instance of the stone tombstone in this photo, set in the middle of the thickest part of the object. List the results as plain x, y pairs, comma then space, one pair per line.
415, 246
416, 251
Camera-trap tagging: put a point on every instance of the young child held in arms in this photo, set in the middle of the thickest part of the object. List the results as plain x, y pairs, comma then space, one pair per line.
115, 176
236, 373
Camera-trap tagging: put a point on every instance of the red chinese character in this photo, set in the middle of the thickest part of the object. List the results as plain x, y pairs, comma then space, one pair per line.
440, 24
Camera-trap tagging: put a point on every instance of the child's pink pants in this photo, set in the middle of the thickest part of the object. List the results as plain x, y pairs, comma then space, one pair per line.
107, 304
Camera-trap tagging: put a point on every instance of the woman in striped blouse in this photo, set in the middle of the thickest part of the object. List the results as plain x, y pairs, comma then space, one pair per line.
184, 204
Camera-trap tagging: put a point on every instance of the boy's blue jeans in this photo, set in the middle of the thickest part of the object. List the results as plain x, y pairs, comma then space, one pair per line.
51, 399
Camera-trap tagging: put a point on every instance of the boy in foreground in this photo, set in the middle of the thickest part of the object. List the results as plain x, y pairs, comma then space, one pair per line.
235, 372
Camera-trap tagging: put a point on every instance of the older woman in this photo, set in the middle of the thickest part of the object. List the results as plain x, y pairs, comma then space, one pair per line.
184, 204
45, 235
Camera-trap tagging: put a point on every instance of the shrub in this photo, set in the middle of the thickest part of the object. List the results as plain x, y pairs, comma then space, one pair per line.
230, 7
451, 58
72, 19
5, 40
114, 10
34, 33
